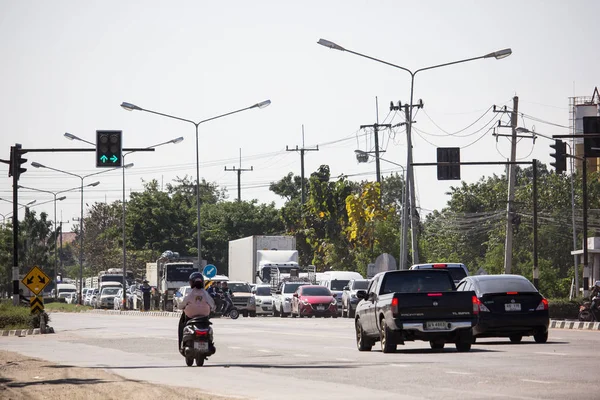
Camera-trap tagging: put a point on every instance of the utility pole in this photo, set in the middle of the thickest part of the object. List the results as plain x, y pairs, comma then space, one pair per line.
60, 255
239, 174
302, 151
375, 128
512, 177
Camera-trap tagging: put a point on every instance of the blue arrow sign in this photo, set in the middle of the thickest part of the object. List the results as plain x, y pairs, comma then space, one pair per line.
210, 271
114, 158
103, 158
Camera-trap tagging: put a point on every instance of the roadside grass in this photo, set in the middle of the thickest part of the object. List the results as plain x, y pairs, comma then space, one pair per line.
64, 307
18, 317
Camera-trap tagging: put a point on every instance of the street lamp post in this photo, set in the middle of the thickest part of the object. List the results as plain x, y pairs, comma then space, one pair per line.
82, 178
409, 168
363, 156
133, 107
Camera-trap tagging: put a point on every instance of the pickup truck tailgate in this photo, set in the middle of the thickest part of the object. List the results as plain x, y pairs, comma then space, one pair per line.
447, 306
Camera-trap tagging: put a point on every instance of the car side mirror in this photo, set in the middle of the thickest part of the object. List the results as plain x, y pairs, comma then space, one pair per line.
361, 294
346, 288
278, 292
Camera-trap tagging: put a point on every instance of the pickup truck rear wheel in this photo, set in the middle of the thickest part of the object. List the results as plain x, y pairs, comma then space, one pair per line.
541, 337
362, 342
387, 345
436, 344
515, 338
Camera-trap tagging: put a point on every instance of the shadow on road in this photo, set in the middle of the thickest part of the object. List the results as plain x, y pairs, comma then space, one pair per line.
65, 381
448, 350
509, 343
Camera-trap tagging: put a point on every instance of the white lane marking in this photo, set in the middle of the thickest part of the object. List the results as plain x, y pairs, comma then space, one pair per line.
264, 351
535, 381
344, 359
301, 355
234, 347
458, 373
549, 353
400, 365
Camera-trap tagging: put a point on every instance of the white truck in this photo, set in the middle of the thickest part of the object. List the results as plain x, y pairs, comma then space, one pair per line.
251, 258
170, 272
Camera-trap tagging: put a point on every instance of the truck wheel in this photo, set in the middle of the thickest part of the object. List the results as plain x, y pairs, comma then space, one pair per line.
436, 344
387, 345
281, 313
275, 312
541, 337
252, 314
462, 346
351, 312
245, 314
362, 342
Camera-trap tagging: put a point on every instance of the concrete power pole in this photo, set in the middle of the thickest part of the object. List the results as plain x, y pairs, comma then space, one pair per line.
239, 175
512, 177
302, 151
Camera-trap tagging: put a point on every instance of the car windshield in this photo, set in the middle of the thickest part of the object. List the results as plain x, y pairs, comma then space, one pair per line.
417, 281
111, 278
338, 284
361, 285
110, 291
263, 291
66, 290
180, 272
291, 287
64, 294
315, 291
505, 284
239, 287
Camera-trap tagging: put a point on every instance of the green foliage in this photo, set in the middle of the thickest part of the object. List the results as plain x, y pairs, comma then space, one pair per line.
563, 308
18, 317
63, 307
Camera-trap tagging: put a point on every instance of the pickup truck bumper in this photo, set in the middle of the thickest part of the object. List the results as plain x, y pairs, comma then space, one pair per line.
417, 330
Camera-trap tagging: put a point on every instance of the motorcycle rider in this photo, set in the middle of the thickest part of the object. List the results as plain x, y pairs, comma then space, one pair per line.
215, 292
197, 303
227, 294
595, 296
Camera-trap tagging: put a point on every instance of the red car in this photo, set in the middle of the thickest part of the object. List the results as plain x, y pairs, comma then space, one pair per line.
309, 300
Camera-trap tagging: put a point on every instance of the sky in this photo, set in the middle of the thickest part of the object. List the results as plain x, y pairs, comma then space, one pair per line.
67, 65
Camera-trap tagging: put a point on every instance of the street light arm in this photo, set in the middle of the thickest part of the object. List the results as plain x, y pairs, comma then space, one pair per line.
381, 61
229, 113
174, 141
73, 137
167, 115
58, 170
449, 63
108, 170
38, 190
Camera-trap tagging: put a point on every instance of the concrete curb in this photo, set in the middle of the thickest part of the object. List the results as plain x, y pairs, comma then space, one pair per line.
20, 332
562, 324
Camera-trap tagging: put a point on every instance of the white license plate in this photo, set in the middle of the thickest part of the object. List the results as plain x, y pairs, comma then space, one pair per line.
512, 307
203, 346
320, 308
436, 325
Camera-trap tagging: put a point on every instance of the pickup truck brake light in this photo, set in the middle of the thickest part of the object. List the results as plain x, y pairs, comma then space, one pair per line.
543, 306
440, 265
512, 292
434, 294
394, 306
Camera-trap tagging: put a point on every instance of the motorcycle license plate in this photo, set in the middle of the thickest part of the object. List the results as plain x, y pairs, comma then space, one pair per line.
202, 346
320, 308
438, 325
512, 307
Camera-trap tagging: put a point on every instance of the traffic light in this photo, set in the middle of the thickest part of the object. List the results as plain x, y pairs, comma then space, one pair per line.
591, 146
109, 147
560, 155
16, 161
446, 172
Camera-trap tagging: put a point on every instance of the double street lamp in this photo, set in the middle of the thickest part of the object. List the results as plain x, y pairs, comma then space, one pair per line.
133, 107
409, 168
82, 178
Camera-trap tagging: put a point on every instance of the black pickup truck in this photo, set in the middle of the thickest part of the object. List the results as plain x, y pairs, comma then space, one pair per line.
413, 305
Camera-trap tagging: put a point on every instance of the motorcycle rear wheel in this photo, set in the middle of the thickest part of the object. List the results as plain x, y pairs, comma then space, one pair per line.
585, 315
199, 361
189, 361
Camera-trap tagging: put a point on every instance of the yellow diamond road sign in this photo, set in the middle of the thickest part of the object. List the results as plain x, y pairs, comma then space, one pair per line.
36, 280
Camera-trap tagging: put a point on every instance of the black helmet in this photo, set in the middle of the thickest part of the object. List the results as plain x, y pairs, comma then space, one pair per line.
197, 280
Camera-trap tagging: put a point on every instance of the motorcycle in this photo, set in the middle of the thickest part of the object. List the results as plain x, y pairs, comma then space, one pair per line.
197, 341
586, 313
231, 311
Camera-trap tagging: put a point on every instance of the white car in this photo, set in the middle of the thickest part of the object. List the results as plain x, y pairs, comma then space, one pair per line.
179, 295
70, 298
263, 299
282, 301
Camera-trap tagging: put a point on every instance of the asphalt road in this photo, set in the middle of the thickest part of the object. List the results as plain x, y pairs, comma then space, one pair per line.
276, 358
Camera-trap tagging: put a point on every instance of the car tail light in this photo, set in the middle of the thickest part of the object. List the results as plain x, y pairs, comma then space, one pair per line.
512, 292
480, 306
201, 332
543, 306
394, 306
440, 265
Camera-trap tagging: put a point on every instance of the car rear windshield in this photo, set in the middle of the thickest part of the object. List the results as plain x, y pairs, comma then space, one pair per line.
417, 281
337, 284
179, 272
315, 291
500, 285
291, 287
361, 285
263, 291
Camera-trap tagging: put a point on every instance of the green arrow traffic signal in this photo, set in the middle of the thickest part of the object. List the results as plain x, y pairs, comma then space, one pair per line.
114, 158
103, 159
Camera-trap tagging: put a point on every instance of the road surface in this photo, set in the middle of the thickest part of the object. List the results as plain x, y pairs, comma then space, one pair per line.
274, 358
